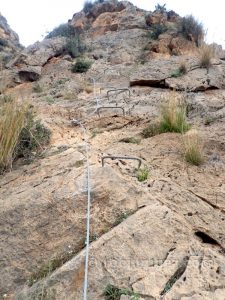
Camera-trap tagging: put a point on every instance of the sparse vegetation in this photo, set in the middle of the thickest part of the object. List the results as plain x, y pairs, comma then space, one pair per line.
206, 54
142, 174
151, 130
65, 30
37, 88
180, 71
74, 46
156, 30
130, 140
51, 266
81, 66
192, 29
121, 216
112, 292
173, 115
193, 148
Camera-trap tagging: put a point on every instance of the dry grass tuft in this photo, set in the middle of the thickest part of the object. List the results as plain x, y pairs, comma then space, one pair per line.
193, 147
173, 115
206, 53
12, 119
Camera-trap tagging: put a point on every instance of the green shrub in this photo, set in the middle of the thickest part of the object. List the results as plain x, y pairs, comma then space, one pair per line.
142, 174
88, 5
33, 137
3, 42
156, 30
81, 66
192, 29
62, 30
173, 115
74, 46
160, 8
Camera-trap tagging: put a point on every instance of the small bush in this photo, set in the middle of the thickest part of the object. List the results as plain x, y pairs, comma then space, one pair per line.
88, 5
156, 30
12, 121
206, 53
151, 130
161, 8
180, 71
73, 47
3, 42
112, 292
142, 174
62, 30
81, 66
192, 29
33, 137
173, 115
193, 148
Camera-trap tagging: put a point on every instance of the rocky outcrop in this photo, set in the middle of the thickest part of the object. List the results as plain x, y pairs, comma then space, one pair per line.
9, 41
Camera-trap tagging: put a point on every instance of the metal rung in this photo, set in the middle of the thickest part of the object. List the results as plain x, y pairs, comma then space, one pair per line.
109, 107
121, 90
122, 157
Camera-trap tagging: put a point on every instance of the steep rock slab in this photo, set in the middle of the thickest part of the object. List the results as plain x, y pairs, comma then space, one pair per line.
133, 256
43, 214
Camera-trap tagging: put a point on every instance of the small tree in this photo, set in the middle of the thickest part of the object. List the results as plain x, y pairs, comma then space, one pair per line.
192, 29
160, 8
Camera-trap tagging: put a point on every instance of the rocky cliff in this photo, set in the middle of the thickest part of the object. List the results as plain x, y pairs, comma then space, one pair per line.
161, 238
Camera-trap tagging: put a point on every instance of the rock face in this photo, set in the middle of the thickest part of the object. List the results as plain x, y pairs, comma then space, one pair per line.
162, 238
9, 41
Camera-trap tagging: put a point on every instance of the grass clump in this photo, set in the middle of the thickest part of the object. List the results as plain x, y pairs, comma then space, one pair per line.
156, 30
173, 115
192, 29
81, 66
142, 174
12, 122
180, 71
206, 53
112, 292
193, 148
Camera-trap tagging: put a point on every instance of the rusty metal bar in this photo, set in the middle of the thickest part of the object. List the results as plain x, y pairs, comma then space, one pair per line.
110, 107
122, 157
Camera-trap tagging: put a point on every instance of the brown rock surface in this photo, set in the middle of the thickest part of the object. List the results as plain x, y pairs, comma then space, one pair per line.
163, 238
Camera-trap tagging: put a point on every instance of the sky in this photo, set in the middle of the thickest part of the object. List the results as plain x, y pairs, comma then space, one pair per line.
33, 19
